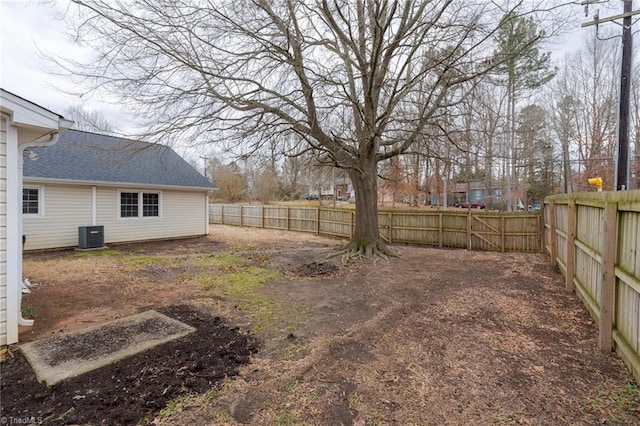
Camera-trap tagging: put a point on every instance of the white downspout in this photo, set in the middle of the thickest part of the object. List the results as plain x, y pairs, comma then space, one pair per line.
206, 212
14, 241
46, 140
94, 205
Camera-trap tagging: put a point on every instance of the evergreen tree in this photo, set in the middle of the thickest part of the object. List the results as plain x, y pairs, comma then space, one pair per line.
523, 68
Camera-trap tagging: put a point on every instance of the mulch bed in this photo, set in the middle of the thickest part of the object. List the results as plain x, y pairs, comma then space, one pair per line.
315, 269
133, 389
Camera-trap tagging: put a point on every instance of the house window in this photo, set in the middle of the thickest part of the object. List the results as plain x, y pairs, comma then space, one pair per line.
31, 198
139, 204
128, 204
150, 204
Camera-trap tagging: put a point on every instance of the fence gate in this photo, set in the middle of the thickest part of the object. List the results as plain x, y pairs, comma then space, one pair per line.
486, 233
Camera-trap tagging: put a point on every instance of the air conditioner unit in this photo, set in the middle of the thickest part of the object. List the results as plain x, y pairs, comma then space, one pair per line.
90, 237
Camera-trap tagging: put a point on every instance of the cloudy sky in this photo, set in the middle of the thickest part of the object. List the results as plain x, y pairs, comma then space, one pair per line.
30, 26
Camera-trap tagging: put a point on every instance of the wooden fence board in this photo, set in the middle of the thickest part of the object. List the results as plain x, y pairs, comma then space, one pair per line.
607, 285
335, 222
562, 225
553, 240
606, 273
408, 227
486, 232
474, 230
546, 213
570, 249
302, 219
587, 271
275, 217
252, 216
629, 260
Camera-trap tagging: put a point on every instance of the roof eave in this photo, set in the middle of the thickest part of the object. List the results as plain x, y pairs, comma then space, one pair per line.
114, 184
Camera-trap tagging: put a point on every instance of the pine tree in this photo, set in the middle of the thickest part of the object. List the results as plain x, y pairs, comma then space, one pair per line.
523, 67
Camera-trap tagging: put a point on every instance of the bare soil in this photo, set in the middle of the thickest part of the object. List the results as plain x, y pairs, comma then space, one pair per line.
286, 336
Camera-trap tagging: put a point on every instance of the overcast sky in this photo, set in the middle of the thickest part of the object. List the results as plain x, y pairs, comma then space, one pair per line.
31, 25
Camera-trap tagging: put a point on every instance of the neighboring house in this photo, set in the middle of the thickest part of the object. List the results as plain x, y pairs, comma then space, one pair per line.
475, 191
341, 188
136, 190
23, 126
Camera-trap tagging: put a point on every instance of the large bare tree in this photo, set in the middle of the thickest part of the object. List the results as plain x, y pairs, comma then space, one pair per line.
357, 81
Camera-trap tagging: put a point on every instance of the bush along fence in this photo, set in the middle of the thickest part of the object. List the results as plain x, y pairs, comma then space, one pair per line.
473, 230
594, 239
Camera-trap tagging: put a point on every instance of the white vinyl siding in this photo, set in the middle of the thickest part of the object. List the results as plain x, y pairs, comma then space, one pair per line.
182, 214
3, 231
66, 207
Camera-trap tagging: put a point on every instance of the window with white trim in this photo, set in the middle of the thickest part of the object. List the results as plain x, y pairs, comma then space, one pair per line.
32, 200
150, 204
139, 204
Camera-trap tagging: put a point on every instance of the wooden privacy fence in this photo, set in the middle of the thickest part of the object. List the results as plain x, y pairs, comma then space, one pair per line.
473, 230
594, 238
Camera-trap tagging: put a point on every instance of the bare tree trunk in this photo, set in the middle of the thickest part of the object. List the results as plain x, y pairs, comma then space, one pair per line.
366, 239
510, 166
566, 163
438, 181
366, 230
417, 180
512, 145
445, 191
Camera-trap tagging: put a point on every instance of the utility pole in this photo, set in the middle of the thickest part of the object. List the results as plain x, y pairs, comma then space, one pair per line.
624, 100
622, 163
206, 162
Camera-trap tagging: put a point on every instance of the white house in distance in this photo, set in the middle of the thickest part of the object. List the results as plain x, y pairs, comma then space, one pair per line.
133, 190
23, 126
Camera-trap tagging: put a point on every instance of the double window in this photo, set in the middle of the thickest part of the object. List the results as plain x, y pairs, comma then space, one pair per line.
139, 204
32, 200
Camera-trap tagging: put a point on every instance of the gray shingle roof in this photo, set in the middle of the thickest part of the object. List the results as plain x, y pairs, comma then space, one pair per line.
91, 157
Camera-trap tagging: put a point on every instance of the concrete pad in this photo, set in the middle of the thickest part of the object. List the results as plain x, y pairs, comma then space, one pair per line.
72, 354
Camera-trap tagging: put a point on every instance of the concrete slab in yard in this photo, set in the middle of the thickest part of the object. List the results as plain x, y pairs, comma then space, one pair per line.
72, 354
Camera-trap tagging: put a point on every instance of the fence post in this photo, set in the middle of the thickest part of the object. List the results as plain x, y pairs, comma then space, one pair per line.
318, 220
571, 248
552, 226
608, 285
241, 214
469, 230
288, 226
390, 219
440, 230
542, 230
503, 232
222, 214
262, 216
351, 225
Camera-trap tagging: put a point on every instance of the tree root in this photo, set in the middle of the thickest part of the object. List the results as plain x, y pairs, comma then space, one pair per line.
365, 249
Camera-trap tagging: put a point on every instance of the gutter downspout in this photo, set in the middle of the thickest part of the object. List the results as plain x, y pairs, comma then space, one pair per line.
43, 141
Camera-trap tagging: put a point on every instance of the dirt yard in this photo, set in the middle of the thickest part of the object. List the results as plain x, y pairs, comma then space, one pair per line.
287, 337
